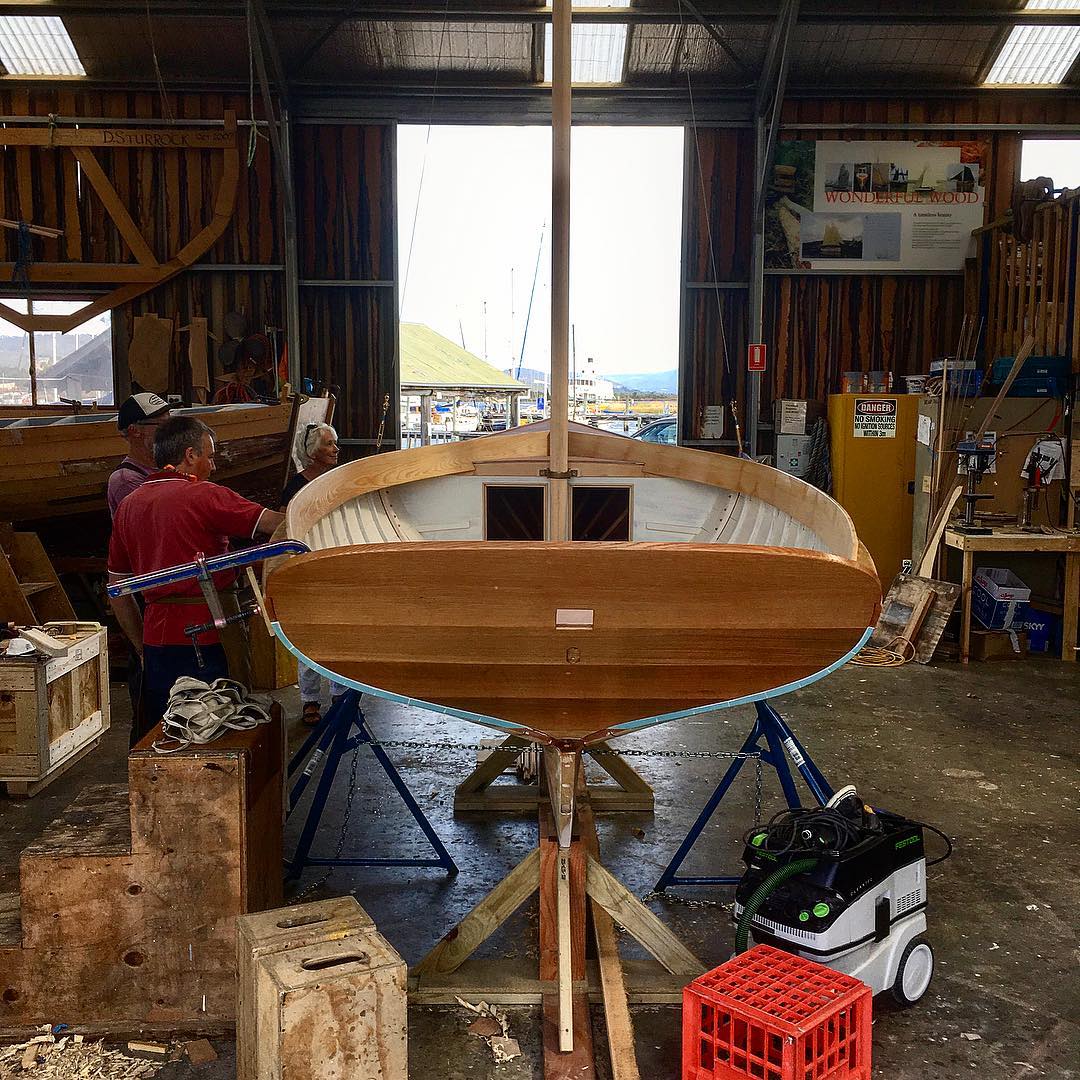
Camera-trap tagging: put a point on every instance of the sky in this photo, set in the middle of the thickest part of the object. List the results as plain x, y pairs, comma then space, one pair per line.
484, 209
1057, 158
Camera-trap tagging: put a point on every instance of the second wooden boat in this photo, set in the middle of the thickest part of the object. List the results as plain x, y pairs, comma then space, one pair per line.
55, 464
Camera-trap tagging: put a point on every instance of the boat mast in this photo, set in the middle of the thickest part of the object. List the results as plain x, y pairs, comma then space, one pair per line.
558, 483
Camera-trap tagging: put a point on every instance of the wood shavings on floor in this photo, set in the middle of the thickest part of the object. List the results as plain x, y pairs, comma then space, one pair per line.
493, 1027
69, 1057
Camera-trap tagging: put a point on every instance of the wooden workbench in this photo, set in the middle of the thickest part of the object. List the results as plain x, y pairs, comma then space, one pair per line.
1013, 539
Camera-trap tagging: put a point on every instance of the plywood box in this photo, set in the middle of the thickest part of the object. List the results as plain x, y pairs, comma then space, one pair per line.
335, 1011
53, 708
280, 930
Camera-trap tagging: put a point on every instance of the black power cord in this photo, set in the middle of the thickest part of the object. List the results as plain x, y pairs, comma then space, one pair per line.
820, 830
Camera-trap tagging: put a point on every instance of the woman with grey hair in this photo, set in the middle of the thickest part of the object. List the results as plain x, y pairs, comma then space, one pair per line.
317, 450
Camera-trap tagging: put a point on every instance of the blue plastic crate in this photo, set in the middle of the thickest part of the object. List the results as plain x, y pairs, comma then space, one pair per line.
1043, 630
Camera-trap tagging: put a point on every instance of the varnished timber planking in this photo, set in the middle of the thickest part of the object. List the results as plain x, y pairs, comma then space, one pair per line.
689, 625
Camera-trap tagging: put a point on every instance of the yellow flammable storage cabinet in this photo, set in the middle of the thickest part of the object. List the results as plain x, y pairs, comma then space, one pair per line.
872, 438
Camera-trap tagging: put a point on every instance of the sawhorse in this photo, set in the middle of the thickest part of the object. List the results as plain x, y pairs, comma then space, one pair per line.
342, 729
780, 743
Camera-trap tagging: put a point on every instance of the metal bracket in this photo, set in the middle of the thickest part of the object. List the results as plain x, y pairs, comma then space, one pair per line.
552, 475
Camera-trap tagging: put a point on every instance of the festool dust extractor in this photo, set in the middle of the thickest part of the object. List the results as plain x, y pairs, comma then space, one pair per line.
845, 885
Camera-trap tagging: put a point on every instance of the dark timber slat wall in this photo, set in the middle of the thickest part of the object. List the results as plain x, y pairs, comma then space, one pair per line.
346, 223
818, 326
345, 202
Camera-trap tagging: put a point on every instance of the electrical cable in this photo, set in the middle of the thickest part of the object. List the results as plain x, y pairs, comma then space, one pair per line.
895, 654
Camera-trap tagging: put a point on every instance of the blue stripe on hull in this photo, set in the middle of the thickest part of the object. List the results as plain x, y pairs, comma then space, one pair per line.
512, 728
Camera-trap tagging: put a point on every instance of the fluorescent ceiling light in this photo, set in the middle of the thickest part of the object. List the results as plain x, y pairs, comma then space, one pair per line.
37, 45
1037, 55
596, 51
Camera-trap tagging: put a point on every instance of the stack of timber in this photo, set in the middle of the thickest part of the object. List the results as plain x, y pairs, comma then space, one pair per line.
53, 709
126, 914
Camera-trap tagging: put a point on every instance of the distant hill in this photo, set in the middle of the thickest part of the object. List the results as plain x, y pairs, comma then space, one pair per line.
648, 382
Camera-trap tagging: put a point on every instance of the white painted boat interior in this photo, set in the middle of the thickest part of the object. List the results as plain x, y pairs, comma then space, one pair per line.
663, 509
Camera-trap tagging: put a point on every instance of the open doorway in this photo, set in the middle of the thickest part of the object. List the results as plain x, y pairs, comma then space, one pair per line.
474, 231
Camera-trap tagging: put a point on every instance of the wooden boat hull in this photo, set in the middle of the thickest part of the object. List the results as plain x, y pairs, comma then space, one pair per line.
60, 469
473, 628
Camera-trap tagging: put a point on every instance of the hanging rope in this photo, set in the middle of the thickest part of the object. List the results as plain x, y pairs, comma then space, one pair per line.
423, 160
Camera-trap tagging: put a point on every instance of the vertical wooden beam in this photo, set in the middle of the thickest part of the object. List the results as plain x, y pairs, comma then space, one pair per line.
558, 484
559, 1011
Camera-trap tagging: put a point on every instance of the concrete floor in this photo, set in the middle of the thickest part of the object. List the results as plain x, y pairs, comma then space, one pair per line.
987, 753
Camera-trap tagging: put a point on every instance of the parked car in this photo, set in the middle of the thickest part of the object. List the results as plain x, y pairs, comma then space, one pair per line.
664, 431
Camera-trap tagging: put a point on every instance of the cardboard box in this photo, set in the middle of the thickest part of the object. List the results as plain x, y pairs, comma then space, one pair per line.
998, 598
998, 645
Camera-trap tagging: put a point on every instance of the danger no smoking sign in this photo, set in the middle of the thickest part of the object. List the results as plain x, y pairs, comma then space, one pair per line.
875, 418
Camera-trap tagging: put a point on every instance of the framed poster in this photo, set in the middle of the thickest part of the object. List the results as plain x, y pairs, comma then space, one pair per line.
866, 206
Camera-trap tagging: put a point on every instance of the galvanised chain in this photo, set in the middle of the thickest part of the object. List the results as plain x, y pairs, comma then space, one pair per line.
350, 795
416, 744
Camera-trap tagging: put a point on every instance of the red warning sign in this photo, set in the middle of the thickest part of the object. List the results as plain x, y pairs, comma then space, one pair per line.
755, 357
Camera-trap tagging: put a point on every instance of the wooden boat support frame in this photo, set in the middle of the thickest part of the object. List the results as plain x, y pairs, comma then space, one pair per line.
128, 279
567, 872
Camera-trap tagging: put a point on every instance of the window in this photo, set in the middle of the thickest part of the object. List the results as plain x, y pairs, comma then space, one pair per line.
600, 513
49, 367
37, 45
1037, 55
513, 512
1057, 158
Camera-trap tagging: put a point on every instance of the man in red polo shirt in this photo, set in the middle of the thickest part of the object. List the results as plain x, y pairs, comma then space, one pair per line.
175, 515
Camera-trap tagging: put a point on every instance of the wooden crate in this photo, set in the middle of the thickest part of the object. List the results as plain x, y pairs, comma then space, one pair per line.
334, 1011
53, 710
271, 932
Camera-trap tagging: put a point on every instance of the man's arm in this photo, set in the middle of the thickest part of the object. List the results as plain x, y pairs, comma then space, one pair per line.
129, 617
268, 522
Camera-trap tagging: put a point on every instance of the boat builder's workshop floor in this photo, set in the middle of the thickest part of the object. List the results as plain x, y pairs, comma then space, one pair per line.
975, 751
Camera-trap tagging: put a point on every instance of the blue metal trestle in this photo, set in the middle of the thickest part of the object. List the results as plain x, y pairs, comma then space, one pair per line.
342, 729
780, 743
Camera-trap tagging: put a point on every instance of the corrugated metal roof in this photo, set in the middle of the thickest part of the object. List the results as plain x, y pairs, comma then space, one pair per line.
431, 361
832, 55
37, 45
359, 47
875, 53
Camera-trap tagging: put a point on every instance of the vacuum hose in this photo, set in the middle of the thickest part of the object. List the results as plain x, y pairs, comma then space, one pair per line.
757, 898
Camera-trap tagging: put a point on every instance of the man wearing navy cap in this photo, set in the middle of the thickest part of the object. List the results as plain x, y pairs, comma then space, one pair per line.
138, 420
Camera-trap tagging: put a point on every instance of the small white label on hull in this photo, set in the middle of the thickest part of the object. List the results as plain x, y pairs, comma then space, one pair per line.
573, 618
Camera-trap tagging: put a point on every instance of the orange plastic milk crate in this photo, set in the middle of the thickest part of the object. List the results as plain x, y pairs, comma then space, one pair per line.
771, 1015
